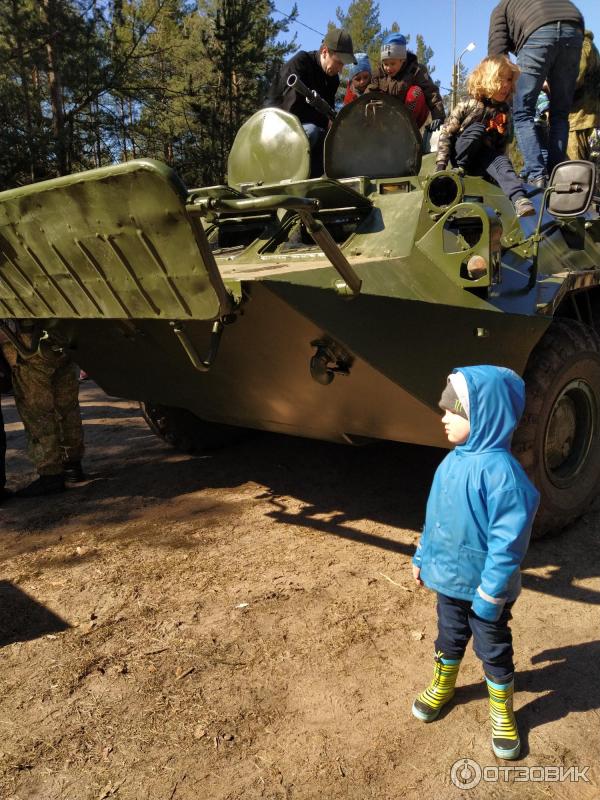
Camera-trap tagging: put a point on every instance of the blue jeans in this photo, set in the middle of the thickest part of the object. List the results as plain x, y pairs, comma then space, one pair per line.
551, 53
316, 139
492, 641
541, 131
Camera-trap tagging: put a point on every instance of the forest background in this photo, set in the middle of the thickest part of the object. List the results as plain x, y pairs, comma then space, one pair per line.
87, 83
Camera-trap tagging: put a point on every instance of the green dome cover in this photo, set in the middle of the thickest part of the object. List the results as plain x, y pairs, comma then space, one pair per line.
271, 146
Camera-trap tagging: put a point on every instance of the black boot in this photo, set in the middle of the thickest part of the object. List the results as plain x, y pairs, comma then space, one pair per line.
73, 472
45, 484
5, 494
539, 182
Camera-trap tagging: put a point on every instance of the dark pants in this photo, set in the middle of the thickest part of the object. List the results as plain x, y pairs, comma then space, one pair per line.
316, 139
492, 641
2, 450
541, 132
550, 53
478, 158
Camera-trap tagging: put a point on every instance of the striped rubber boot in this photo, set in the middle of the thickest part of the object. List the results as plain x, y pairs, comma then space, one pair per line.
429, 703
505, 736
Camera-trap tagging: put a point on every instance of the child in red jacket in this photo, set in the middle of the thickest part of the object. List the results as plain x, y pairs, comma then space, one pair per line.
401, 74
359, 78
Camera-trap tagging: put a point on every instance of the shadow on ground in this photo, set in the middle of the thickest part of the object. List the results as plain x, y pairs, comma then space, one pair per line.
327, 488
565, 684
22, 618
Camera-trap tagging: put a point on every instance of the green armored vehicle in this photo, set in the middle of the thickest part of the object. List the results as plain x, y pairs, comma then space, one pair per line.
331, 307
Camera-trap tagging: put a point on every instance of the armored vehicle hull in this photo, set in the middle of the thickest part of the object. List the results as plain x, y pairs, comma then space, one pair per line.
330, 308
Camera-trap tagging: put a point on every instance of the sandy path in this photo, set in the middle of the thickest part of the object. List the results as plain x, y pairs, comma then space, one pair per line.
244, 626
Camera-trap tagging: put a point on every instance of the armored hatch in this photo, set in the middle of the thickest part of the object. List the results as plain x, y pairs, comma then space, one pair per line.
111, 243
374, 136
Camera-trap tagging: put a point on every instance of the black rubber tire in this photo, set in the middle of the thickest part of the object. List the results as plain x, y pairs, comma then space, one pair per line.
186, 432
558, 440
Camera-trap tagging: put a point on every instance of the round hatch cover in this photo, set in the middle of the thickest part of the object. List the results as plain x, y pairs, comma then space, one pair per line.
376, 136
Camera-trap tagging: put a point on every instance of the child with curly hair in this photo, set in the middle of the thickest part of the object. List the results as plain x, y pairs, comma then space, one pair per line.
477, 131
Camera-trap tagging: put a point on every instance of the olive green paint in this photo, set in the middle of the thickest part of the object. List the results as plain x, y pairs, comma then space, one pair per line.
131, 271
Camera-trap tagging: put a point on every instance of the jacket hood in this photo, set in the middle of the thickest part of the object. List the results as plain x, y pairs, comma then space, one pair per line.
496, 403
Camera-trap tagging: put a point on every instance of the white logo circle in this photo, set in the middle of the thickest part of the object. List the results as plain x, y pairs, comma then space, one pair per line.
465, 773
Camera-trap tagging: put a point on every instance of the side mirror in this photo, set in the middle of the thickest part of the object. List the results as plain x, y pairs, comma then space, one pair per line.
571, 188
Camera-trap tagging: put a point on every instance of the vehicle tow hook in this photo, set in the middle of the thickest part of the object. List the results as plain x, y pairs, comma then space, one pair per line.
201, 364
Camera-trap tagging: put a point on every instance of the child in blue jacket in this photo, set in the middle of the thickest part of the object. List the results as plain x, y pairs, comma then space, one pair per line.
479, 516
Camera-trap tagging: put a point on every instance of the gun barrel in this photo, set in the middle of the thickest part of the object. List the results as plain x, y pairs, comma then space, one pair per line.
312, 97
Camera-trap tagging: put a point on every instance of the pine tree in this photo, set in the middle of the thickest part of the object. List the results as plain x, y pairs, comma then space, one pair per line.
21, 131
244, 53
91, 82
424, 53
361, 20
51, 53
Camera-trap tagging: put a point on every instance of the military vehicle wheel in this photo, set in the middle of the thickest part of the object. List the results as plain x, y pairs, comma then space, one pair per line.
186, 432
558, 441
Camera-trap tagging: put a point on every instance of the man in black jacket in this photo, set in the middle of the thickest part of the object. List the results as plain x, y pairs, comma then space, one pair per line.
319, 70
546, 36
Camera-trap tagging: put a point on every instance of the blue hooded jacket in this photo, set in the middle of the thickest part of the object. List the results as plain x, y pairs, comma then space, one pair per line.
482, 504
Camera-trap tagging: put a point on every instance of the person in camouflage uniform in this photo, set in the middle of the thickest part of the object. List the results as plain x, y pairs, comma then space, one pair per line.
585, 111
594, 142
46, 395
4, 385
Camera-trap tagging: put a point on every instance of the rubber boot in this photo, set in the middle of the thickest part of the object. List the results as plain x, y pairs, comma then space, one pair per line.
45, 484
505, 736
429, 703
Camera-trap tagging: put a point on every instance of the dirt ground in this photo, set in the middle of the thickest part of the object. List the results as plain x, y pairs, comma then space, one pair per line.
245, 625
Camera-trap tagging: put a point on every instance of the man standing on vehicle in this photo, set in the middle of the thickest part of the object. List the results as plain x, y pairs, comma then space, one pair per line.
546, 36
318, 70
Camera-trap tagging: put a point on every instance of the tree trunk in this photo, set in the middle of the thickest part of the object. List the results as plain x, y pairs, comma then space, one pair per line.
25, 91
124, 130
97, 138
131, 131
54, 85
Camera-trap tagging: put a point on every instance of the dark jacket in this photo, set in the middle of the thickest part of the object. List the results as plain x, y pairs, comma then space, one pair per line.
513, 21
465, 114
412, 74
481, 504
307, 67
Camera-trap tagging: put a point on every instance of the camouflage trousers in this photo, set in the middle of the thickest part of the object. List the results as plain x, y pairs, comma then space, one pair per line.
578, 145
2, 450
46, 389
